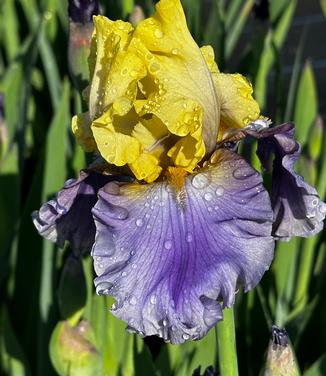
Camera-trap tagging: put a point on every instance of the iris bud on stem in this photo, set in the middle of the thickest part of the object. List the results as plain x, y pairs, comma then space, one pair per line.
80, 35
280, 356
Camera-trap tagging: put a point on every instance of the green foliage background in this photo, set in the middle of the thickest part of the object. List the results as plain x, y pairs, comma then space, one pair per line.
45, 291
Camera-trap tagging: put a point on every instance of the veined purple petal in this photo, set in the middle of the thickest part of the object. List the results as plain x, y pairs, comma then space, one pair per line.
171, 259
298, 210
68, 216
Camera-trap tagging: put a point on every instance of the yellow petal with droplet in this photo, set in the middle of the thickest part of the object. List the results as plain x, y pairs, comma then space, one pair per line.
113, 68
238, 107
146, 167
116, 147
209, 56
175, 61
80, 125
188, 151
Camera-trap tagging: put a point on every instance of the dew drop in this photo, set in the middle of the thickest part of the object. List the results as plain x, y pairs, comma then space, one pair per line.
123, 274
185, 336
139, 222
219, 190
322, 208
315, 202
153, 299
199, 181
154, 67
208, 196
113, 307
175, 51
103, 288
158, 33
133, 300
242, 173
132, 253
165, 323
168, 244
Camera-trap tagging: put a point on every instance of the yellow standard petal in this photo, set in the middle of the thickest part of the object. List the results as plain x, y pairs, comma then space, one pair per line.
178, 69
238, 107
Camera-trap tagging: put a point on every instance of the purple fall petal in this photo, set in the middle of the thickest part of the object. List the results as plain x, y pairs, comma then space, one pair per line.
68, 216
298, 210
173, 260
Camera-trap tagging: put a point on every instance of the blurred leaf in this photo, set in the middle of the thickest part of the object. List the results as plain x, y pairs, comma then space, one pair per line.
294, 79
9, 28
9, 187
13, 361
233, 34
315, 141
272, 45
143, 364
232, 13
193, 13
306, 105
127, 7
323, 6
318, 368
185, 358
114, 343
54, 176
276, 8
72, 290
35, 19
73, 351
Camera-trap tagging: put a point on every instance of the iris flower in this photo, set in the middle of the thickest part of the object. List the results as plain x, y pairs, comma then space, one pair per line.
175, 219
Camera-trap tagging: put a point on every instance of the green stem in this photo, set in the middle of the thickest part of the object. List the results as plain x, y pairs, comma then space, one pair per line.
227, 351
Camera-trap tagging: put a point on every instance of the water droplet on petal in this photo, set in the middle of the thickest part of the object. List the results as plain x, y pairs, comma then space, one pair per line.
168, 244
322, 208
103, 288
139, 222
165, 323
133, 300
132, 253
185, 336
154, 67
123, 274
113, 307
153, 299
158, 33
243, 173
219, 190
200, 181
314, 202
175, 51
208, 196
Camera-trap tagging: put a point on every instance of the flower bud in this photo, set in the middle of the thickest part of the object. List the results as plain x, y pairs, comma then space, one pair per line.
80, 35
137, 15
280, 356
73, 348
